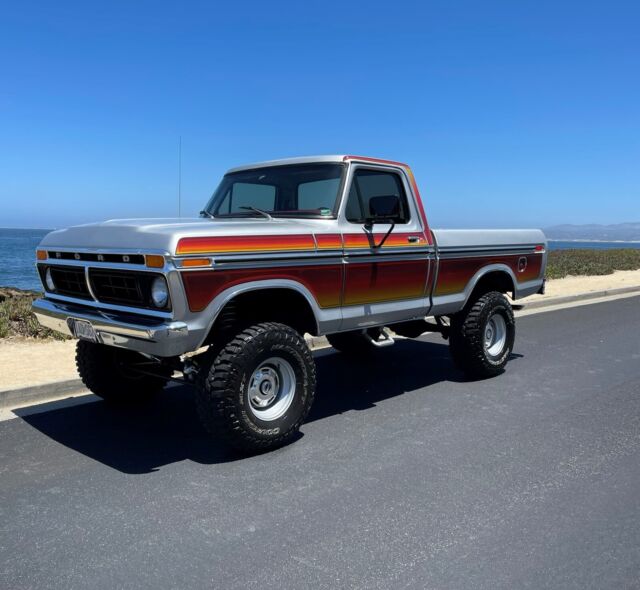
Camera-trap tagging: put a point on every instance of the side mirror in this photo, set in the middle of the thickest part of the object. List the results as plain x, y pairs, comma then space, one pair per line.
384, 209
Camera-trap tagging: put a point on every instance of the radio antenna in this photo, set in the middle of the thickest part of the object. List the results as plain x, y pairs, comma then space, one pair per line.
180, 176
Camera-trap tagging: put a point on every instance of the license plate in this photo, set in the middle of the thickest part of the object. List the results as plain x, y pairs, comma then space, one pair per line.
83, 329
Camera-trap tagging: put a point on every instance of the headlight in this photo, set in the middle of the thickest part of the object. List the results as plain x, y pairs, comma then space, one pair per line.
159, 292
48, 279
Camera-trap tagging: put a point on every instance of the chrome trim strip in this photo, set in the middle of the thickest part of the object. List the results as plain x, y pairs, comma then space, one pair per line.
336, 260
488, 247
88, 281
107, 265
108, 306
436, 264
485, 253
393, 251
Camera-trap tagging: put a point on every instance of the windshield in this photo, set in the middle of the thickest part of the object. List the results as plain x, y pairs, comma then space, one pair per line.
301, 190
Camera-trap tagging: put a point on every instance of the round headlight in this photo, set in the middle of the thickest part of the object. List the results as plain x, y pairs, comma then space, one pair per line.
48, 279
159, 292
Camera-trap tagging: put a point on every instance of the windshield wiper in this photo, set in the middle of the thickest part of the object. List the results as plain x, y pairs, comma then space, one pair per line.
206, 214
256, 210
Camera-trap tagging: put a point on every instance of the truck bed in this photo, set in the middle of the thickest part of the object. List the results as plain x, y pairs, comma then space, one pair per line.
464, 255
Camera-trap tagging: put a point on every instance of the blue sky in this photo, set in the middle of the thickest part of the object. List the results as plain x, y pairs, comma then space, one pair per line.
511, 113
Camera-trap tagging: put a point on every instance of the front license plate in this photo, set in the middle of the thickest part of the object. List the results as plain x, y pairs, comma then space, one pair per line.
84, 330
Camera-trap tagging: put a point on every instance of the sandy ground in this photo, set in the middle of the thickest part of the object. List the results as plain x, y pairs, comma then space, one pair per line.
25, 363
575, 285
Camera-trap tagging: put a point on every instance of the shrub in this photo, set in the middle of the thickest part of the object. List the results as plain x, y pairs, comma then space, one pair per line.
16, 317
562, 263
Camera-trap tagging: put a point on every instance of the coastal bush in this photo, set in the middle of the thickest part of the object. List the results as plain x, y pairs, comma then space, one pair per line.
16, 317
587, 262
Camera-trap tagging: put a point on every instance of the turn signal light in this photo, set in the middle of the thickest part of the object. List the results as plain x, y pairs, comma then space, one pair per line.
41, 254
191, 262
154, 261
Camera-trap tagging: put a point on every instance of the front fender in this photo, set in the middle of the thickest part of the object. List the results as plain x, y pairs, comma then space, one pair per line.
326, 320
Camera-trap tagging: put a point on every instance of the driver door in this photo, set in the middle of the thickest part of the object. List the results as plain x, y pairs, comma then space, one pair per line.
387, 283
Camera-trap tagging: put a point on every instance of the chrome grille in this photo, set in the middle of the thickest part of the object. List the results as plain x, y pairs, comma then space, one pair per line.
70, 281
119, 287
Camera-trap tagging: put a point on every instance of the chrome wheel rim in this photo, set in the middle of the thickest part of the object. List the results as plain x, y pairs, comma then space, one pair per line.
272, 388
495, 335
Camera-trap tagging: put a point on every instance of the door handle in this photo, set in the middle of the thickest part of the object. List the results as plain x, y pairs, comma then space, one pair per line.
413, 239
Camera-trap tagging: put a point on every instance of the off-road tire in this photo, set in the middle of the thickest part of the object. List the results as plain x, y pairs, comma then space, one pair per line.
354, 342
222, 394
467, 336
105, 370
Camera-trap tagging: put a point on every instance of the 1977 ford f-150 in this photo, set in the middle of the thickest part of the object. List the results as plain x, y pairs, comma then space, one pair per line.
333, 245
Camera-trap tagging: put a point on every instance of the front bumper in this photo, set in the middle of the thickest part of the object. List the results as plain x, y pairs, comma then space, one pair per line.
149, 335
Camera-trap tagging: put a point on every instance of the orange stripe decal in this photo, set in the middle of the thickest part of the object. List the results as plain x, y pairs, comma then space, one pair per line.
329, 241
393, 241
245, 244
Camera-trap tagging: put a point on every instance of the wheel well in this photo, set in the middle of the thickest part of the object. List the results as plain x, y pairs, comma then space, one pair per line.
497, 280
283, 305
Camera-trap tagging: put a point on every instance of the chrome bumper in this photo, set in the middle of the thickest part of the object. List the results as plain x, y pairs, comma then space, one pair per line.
134, 332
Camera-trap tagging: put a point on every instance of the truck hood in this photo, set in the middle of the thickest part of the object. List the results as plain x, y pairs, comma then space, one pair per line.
162, 235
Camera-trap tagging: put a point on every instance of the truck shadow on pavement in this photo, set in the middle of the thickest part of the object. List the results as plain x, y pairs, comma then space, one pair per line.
142, 439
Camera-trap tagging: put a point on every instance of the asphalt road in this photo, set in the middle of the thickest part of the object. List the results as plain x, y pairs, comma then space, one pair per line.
404, 477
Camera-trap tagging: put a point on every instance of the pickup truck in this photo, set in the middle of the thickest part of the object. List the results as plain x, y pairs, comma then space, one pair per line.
330, 245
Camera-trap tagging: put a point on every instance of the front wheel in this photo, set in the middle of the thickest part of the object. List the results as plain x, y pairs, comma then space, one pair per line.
111, 373
482, 336
259, 388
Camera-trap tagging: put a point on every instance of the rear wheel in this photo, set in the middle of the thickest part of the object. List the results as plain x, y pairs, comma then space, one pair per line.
482, 336
259, 388
111, 373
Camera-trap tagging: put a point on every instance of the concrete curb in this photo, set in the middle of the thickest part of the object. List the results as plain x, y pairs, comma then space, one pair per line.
27, 396
581, 297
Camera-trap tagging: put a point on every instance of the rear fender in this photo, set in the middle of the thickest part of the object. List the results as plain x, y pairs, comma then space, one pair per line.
454, 302
483, 272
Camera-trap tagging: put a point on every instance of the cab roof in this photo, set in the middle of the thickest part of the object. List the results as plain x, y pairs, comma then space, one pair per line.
336, 158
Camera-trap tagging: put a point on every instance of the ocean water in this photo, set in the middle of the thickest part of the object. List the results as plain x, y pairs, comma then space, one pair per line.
17, 255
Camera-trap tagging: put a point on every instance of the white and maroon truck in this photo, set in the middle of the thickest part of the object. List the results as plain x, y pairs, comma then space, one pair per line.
332, 245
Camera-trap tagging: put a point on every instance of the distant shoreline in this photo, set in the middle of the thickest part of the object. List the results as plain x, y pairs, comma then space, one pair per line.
582, 240
28, 228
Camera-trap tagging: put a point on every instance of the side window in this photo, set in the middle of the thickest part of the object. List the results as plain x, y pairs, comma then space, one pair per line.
374, 183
